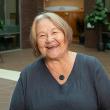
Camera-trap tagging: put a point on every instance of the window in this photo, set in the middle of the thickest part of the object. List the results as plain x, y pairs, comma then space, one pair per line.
10, 35
107, 4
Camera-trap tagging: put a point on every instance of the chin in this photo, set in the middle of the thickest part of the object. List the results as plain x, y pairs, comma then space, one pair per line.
54, 56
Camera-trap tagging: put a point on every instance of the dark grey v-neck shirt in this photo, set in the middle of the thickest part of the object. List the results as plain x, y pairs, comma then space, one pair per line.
87, 88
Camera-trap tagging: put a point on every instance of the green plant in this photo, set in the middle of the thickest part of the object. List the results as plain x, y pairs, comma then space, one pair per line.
98, 16
1, 24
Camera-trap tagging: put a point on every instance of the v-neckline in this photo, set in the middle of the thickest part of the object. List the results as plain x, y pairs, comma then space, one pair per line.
69, 77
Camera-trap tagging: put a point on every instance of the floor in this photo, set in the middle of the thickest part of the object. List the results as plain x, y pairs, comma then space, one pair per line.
14, 62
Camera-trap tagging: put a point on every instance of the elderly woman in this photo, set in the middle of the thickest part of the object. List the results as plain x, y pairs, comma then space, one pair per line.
60, 79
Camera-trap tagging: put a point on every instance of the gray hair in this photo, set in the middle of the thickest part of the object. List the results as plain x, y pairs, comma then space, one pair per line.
58, 21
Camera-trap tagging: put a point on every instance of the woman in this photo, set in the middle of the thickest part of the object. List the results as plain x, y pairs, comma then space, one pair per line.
60, 79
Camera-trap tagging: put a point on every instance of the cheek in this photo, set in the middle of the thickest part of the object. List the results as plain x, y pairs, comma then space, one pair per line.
60, 38
40, 43
63, 41
41, 47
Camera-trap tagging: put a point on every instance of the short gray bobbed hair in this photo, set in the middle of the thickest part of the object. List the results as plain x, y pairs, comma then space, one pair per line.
55, 19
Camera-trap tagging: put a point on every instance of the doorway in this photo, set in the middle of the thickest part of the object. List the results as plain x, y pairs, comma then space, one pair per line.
72, 12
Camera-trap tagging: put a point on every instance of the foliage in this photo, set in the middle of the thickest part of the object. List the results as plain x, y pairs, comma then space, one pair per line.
1, 24
98, 15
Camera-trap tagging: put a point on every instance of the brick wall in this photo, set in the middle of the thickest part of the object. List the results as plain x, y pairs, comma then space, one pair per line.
91, 35
89, 5
29, 9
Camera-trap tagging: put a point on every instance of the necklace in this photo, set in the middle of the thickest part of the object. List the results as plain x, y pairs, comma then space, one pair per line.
61, 77
63, 74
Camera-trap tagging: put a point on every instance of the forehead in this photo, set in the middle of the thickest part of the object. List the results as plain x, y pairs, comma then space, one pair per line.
45, 24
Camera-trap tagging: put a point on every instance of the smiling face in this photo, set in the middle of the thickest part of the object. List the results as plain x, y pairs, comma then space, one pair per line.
50, 40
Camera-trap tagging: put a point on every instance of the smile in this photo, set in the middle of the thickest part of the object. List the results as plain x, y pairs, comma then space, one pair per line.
51, 47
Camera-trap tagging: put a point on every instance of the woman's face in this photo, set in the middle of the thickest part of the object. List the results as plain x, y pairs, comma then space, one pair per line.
50, 40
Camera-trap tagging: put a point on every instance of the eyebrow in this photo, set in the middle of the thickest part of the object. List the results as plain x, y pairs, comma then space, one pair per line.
50, 30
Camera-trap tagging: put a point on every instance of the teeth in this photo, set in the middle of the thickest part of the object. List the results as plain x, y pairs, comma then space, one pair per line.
51, 47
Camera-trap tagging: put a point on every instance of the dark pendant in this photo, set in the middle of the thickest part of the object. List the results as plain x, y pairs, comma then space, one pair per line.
61, 77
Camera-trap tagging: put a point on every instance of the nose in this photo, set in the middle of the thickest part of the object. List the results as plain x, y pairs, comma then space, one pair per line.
50, 38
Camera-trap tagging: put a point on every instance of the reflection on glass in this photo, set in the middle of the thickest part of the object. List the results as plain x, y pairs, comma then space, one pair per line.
10, 35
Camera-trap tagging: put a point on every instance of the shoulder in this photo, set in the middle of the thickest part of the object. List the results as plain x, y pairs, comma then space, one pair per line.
30, 74
90, 63
32, 69
88, 59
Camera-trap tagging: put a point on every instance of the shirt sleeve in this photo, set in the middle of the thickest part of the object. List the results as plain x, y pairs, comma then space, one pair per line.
102, 84
18, 97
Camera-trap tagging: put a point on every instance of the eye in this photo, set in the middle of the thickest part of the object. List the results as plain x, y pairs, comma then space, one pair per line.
42, 36
54, 32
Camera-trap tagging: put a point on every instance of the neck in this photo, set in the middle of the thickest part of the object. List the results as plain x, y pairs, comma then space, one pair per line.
60, 60
61, 68
60, 65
